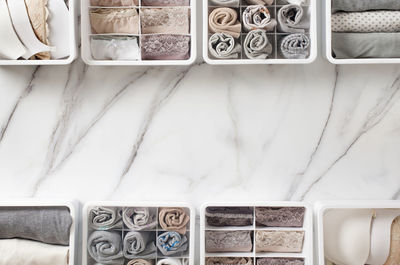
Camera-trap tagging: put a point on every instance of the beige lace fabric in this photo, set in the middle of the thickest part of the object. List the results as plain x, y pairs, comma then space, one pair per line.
224, 20
141, 262
228, 241
174, 219
229, 261
260, 2
279, 241
258, 17
38, 14
114, 20
280, 216
280, 261
114, 3
174, 20
165, 2
394, 254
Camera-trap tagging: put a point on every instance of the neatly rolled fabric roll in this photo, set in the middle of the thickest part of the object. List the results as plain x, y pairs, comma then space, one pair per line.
223, 46
280, 216
28, 252
106, 247
140, 218
260, 2
361, 45
171, 243
228, 241
174, 219
141, 262
257, 46
105, 218
226, 3
229, 216
229, 261
173, 261
139, 244
224, 20
280, 261
364, 5
295, 46
279, 241
44, 224
258, 17
291, 19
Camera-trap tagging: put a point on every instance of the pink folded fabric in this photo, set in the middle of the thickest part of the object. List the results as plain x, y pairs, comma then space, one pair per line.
165, 47
165, 2
114, 3
173, 20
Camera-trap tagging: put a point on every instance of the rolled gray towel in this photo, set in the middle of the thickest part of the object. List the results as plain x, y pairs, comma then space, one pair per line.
140, 218
223, 46
106, 247
295, 46
364, 5
105, 218
257, 45
226, 3
49, 225
170, 243
139, 244
291, 19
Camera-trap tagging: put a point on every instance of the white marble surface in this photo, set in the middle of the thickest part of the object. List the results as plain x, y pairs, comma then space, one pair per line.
200, 133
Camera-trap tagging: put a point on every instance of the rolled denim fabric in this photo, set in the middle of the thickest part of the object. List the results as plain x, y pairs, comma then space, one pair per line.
139, 218
105, 218
223, 46
106, 247
224, 20
295, 46
171, 243
258, 17
139, 244
256, 45
291, 19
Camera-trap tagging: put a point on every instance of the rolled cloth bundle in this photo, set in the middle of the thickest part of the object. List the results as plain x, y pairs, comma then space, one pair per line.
256, 45
223, 46
170, 243
174, 219
295, 46
224, 20
139, 218
292, 19
258, 17
139, 244
106, 247
105, 218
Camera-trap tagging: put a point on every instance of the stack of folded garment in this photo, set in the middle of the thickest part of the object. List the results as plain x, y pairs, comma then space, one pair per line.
34, 29
34, 235
365, 29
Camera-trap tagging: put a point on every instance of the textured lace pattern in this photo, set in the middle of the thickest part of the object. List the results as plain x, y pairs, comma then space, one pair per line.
280, 261
228, 241
279, 241
161, 47
174, 20
229, 261
165, 2
114, 2
228, 216
280, 216
114, 20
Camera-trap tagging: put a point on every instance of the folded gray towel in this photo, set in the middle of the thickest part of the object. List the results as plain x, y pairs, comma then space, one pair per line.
140, 218
44, 224
105, 218
257, 45
223, 46
364, 5
291, 19
106, 247
365, 45
170, 243
139, 244
295, 46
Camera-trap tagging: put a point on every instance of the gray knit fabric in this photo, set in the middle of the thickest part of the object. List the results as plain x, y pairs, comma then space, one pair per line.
106, 247
292, 19
139, 244
295, 46
256, 45
364, 5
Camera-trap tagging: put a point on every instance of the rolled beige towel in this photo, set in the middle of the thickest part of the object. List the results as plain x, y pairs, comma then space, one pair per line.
224, 20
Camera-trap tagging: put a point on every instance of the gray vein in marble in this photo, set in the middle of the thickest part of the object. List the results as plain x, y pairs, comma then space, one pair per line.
24, 93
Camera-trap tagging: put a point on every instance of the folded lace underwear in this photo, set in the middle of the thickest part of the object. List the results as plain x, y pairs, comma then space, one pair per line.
165, 2
229, 261
292, 19
280, 216
295, 46
256, 45
114, 3
228, 241
165, 47
114, 20
258, 17
229, 216
224, 20
279, 241
223, 46
173, 20
105, 218
280, 261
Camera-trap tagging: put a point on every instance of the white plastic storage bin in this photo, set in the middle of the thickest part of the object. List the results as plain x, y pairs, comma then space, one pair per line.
87, 230
321, 209
307, 227
73, 208
70, 38
310, 9
86, 34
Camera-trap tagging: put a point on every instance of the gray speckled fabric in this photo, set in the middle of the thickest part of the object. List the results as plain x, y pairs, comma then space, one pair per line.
295, 46
106, 247
256, 45
223, 46
49, 225
292, 19
364, 5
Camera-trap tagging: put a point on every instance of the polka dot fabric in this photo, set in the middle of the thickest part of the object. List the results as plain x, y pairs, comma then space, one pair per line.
371, 21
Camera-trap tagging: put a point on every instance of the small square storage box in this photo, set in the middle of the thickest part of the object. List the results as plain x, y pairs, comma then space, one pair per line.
358, 232
301, 38
138, 32
267, 233
138, 233
66, 34
39, 232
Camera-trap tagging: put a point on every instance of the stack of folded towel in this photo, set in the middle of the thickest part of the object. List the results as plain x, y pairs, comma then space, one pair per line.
365, 29
34, 29
34, 235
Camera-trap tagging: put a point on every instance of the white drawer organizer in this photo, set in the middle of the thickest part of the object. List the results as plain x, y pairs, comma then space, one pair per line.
307, 250
86, 34
190, 232
73, 208
310, 8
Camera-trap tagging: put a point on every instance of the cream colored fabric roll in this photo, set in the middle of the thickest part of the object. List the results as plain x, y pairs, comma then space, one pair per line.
225, 20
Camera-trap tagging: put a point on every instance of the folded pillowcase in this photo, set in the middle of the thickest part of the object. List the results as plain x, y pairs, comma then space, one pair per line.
371, 21
173, 261
280, 261
226, 3
364, 5
291, 19
228, 241
139, 218
223, 46
171, 243
139, 244
229, 216
115, 48
28, 252
258, 17
174, 219
106, 247
229, 261
256, 45
140, 262
172, 20
279, 241
165, 2
280, 216
260, 2
114, 3
44, 224
165, 47
295, 46
105, 218
224, 20
114, 20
